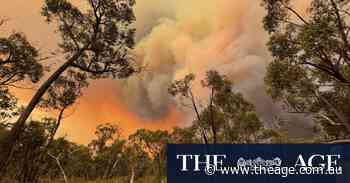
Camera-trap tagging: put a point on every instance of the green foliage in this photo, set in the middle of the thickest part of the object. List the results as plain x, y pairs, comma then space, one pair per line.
310, 68
276, 10
153, 143
182, 87
102, 32
104, 133
64, 91
19, 61
27, 162
100, 38
185, 136
227, 118
8, 105
309, 73
95, 44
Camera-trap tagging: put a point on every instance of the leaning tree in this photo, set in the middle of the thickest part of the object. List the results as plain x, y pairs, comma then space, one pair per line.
95, 41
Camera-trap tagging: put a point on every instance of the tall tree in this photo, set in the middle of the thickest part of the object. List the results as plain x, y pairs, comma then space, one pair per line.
105, 133
183, 89
27, 163
154, 143
227, 117
95, 43
311, 62
137, 161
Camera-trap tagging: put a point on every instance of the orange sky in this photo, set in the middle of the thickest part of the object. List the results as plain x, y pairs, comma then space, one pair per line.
105, 107
96, 106
174, 37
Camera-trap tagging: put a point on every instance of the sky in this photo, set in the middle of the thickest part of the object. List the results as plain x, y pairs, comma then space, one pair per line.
174, 38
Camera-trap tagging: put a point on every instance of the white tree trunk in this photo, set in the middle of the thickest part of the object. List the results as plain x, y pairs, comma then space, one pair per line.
132, 175
57, 159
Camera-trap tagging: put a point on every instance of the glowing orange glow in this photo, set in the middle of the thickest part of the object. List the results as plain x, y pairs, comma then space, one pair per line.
174, 38
81, 126
103, 106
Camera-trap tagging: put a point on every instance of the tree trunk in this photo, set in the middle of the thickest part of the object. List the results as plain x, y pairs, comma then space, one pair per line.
198, 118
212, 121
160, 168
132, 177
57, 159
9, 144
110, 168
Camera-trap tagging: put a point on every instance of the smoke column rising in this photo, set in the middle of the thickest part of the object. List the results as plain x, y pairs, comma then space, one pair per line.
174, 38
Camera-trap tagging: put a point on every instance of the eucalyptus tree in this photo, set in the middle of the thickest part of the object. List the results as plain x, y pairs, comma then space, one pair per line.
27, 163
136, 162
185, 135
183, 89
105, 133
310, 70
154, 143
227, 117
95, 43
19, 62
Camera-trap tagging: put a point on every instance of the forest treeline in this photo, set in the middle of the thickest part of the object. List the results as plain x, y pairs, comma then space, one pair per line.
309, 75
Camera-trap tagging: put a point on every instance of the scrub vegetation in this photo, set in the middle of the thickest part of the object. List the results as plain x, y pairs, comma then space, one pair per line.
309, 75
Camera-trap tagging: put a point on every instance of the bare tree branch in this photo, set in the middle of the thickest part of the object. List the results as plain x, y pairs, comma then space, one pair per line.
58, 162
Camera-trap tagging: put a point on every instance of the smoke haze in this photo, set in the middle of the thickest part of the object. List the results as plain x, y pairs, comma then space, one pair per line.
174, 38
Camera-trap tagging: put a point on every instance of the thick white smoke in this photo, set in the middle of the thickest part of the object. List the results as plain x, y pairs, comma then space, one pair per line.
180, 37
174, 38
177, 37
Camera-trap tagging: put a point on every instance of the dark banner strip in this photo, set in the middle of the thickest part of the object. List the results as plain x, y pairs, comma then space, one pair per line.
258, 163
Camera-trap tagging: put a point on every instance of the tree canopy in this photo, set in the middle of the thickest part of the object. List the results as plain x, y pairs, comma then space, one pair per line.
309, 72
95, 44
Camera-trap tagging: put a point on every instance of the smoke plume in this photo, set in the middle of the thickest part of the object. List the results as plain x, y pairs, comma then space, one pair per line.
174, 38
